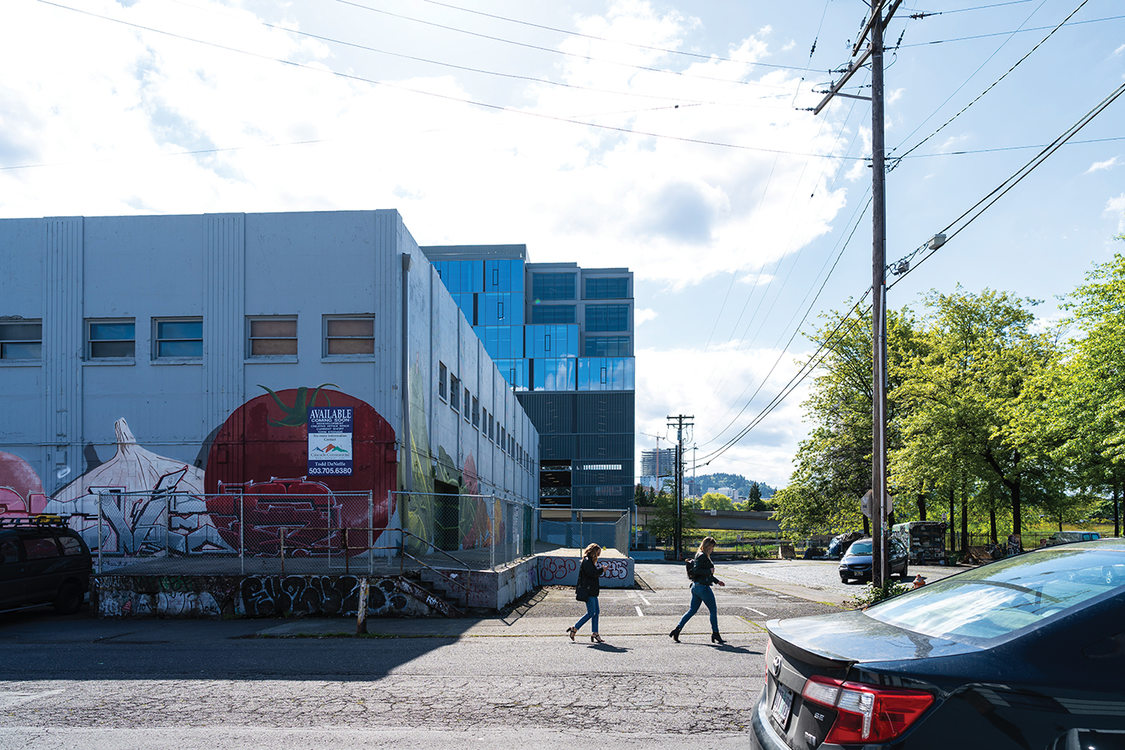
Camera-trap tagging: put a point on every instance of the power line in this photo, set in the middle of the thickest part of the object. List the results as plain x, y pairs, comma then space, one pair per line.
571, 32
1007, 33
990, 86
448, 97
526, 45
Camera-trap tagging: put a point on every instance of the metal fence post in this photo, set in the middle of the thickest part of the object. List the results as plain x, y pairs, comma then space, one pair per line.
492, 532
241, 537
371, 532
100, 499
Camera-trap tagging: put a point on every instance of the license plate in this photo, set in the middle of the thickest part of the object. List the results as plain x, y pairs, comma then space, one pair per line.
782, 703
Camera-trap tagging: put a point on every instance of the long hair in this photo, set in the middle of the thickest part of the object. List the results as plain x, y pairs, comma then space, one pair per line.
591, 551
706, 540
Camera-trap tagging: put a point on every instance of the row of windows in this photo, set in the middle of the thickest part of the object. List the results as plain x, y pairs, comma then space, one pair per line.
182, 338
460, 276
462, 401
563, 286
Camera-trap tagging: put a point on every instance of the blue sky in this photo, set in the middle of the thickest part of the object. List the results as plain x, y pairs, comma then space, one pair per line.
668, 137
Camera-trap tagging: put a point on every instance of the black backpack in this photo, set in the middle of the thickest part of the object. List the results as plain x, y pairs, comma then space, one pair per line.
690, 565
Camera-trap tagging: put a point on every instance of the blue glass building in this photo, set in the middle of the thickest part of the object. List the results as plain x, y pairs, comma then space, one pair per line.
562, 336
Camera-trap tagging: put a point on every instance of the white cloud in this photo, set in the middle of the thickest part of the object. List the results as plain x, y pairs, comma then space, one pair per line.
713, 387
1116, 206
110, 106
644, 314
1100, 165
1119, 50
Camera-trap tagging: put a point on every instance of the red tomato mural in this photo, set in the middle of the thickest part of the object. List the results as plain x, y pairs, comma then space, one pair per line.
262, 451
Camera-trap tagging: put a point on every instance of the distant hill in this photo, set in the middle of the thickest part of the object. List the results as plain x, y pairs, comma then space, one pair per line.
739, 483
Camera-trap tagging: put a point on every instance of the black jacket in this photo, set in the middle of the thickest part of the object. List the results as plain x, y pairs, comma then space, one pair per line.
588, 577
703, 570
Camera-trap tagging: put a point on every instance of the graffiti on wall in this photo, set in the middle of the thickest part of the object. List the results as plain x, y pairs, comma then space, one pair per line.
563, 571
152, 502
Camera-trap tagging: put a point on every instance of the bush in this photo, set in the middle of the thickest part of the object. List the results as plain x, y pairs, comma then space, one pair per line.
873, 594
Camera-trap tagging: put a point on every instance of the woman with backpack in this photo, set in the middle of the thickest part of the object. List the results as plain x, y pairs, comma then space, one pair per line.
587, 591
702, 576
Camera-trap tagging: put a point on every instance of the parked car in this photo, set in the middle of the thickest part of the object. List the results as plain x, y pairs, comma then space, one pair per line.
42, 561
856, 563
1025, 652
1066, 537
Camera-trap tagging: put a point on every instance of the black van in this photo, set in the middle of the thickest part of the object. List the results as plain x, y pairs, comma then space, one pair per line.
42, 561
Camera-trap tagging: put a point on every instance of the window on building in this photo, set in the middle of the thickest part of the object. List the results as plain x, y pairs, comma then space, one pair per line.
454, 392
111, 339
552, 314
491, 428
476, 412
545, 286
484, 422
607, 346
349, 335
177, 338
272, 336
607, 317
466, 402
443, 374
609, 287
21, 340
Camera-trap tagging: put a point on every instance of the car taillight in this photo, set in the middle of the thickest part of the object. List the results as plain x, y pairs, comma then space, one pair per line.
866, 713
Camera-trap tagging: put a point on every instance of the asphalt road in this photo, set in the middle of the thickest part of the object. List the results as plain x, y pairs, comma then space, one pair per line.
84, 682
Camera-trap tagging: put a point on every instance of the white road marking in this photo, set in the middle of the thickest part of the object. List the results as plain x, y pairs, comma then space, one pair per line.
7, 700
646, 601
640, 613
756, 611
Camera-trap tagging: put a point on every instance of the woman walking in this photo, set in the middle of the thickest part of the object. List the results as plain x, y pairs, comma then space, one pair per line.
702, 576
588, 585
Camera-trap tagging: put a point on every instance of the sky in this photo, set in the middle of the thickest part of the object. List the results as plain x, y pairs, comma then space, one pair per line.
670, 137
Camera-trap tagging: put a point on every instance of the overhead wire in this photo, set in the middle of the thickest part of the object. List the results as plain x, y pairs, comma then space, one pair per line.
961, 223
973, 37
649, 47
551, 50
991, 86
447, 97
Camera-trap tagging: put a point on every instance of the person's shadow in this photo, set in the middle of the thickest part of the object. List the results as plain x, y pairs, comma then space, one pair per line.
734, 649
610, 648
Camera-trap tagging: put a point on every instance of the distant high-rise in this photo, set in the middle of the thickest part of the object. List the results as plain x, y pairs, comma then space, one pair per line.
563, 338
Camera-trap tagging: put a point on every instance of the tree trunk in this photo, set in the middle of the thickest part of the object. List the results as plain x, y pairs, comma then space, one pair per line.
992, 522
952, 523
1017, 521
922, 506
1116, 512
866, 526
964, 516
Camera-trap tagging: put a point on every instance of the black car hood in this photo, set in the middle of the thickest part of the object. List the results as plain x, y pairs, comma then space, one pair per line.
854, 637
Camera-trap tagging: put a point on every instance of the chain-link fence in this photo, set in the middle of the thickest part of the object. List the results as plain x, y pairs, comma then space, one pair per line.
479, 531
262, 529
578, 532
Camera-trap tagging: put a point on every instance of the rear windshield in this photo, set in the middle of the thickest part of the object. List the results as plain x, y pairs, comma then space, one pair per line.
995, 601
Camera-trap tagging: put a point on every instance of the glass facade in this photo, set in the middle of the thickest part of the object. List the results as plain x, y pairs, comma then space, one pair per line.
554, 374
553, 314
605, 374
563, 339
607, 287
551, 340
608, 346
553, 286
607, 317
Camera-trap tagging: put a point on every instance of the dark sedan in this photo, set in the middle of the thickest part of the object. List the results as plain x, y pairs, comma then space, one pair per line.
1027, 652
856, 562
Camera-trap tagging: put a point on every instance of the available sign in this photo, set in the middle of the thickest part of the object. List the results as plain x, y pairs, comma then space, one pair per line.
330, 441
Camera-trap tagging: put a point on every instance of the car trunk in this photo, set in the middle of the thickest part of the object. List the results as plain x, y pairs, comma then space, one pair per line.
829, 647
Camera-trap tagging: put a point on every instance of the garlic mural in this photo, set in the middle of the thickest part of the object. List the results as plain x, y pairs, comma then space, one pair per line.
150, 521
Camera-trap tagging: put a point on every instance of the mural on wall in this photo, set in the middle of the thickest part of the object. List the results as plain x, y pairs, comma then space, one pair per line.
559, 570
21, 492
257, 460
137, 523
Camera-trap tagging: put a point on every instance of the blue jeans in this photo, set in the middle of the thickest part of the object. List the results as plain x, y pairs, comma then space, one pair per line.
701, 594
591, 614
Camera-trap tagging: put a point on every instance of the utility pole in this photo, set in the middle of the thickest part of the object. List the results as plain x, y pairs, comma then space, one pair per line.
679, 423
875, 26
